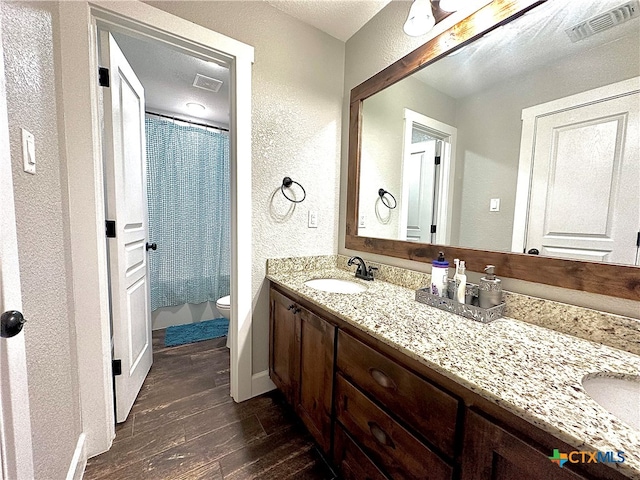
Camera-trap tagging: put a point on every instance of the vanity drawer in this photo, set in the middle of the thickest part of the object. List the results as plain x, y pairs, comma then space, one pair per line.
392, 447
420, 404
352, 462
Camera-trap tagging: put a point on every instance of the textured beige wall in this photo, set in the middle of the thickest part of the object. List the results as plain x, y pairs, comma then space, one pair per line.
297, 99
28, 43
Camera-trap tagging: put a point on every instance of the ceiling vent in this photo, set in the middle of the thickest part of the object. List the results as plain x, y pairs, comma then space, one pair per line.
208, 83
604, 21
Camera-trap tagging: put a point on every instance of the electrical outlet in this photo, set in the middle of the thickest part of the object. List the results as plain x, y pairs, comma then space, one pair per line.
362, 222
313, 219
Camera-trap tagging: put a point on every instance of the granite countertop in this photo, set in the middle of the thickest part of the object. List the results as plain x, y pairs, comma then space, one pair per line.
531, 371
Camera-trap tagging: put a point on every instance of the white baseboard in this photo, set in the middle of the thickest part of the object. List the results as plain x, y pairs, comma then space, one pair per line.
261, 383
79, 460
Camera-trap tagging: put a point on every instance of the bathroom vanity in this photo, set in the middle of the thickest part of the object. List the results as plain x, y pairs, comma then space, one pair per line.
391, 388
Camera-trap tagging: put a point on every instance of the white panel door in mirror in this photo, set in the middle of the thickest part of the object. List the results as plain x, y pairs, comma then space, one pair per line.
585, 182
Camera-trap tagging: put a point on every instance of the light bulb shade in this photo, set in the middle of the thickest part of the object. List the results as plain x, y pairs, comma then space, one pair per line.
420, 19
449, 5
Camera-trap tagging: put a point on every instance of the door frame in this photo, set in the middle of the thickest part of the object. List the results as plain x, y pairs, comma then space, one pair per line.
84, 167
16, 451
529, 119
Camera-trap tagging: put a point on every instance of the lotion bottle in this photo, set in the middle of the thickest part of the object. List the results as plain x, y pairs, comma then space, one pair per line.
490, 289
461, 282
439, 276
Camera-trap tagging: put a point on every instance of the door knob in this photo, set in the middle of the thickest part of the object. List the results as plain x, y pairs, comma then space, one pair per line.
533, 251
11, 323
152, 246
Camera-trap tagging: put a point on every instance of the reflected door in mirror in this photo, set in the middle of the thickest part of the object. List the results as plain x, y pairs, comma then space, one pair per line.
585, 188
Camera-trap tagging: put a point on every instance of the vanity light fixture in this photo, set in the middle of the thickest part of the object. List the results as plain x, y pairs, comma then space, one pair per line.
420, 19
195, 107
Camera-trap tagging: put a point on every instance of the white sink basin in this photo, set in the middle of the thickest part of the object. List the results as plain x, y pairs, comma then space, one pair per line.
620, 396
335, 285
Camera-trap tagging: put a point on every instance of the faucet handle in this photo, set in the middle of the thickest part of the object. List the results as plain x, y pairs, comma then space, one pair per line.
371, 270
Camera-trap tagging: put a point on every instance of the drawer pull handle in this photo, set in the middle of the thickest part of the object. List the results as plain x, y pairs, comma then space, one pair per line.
380, 435
382, 379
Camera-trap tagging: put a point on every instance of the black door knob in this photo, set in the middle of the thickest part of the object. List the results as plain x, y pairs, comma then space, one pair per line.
533, 251
11, 323
151, 246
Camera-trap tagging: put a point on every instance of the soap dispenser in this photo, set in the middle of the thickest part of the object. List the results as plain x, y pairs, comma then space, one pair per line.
490, 289
439, 276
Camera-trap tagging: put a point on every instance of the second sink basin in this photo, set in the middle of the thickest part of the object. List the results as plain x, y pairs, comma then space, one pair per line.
619, 396
335, 285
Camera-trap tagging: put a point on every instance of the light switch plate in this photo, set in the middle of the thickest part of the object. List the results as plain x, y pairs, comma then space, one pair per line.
494, 205
362, 222
313, 219
29, 152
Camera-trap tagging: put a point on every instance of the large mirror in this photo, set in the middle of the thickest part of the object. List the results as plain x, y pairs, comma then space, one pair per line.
524, 140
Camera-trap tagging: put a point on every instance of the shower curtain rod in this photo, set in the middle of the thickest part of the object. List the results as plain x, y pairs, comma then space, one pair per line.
186, 121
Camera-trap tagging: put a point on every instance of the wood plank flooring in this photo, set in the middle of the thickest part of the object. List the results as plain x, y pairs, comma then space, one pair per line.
184, 425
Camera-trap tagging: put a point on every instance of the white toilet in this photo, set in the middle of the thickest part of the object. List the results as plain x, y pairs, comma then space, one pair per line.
224, 307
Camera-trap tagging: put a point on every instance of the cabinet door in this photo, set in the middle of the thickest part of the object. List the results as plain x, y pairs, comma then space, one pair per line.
317, 338
491, 453
283, 346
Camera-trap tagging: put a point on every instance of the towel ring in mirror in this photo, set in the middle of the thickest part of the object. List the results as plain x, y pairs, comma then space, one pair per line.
382, 192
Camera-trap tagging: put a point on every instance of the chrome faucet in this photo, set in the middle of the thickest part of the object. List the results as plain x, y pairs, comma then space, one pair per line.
362, 271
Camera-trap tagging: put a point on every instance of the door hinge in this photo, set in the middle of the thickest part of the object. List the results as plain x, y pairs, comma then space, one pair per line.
638, 240
437, 159
116, 367
103, 77
433, 229
111, 228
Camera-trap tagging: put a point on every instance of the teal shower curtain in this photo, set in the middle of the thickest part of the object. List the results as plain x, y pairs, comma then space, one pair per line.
189, 213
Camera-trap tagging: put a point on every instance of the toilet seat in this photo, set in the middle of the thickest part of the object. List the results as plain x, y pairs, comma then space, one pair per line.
224, 302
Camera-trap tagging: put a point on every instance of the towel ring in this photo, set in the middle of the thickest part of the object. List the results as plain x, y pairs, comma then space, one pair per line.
382, 192
287, 182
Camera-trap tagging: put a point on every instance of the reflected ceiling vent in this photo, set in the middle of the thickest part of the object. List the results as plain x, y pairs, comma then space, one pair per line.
208, 83
604, 21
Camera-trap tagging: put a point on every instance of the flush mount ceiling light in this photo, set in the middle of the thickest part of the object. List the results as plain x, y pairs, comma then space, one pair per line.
420, 19
449, 5
195, 107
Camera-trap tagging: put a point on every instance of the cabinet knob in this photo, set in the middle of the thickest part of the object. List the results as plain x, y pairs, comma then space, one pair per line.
382, 379
380, 435
291, 307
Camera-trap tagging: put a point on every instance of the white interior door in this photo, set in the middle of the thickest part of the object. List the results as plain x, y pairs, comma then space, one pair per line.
585, 189
125, 179
16, 455
421, 176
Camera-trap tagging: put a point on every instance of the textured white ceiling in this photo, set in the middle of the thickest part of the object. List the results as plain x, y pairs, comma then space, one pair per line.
167, 77
538, 36
339, 18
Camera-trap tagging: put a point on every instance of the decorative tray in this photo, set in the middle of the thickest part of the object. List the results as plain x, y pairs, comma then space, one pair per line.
484, 315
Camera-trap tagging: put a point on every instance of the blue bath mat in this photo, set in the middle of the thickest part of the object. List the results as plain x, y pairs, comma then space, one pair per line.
196, 332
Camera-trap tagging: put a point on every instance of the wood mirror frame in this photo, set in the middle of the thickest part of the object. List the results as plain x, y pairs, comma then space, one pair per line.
621, 281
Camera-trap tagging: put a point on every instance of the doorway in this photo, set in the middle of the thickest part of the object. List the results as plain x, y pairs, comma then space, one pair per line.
79, 24
427, 179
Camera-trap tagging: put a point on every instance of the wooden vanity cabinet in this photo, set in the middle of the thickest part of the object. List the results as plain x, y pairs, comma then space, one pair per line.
490, 452
393, 417
301, 363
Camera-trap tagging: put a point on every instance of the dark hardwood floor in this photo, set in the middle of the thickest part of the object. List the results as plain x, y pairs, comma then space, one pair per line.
184, 425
